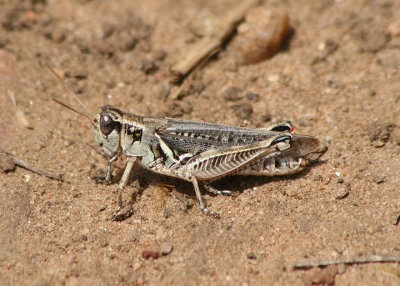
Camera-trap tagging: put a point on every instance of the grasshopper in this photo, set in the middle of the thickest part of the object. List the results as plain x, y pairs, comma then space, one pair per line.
197, 151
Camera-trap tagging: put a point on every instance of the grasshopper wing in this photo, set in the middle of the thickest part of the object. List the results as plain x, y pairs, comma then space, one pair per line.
194, 137
213, 164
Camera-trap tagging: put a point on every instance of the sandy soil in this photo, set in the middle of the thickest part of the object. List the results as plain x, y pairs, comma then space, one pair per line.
338, 79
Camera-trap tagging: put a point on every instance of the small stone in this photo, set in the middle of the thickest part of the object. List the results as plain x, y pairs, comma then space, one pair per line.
395, 135
123, 214
84, 237
6, 163
266, 117
103, 242
58, 35
378, 179
147, 66
342, 193
340, 180
68, 143
102, 208
78, 74
251, 255
146, 254
126, 41
110, 83
261, 35
378, 144
325, 276
177, 108
396, 220
166, 248
379, 133
164, 92
233, 93
252, 96
243, 111
3, 39
198, 86
103, 48
372, 41
159, 55
253, 78
318, 178
107, 30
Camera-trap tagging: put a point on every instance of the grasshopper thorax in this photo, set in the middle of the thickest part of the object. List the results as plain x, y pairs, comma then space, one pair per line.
107, 129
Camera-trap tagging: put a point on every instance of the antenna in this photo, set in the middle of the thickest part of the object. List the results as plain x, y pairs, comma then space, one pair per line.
68, 90
74, 110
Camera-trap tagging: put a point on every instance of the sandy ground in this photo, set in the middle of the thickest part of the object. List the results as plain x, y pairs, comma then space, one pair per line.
337, 78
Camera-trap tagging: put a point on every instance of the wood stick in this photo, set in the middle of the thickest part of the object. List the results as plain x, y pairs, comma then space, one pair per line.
374, 258
212, 42
15, 160
189, 80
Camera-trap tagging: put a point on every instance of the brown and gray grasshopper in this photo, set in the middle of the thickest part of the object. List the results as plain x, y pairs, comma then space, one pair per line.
198, 151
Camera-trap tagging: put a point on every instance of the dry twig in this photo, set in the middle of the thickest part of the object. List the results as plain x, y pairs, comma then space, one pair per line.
190, 78
211, 43
351, 260
12, 159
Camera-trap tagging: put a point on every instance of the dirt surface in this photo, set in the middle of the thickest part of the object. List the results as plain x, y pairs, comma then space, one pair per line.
337, 78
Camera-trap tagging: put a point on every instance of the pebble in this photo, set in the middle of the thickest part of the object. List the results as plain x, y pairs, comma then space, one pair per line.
233, 93
166, 248
318, 178
159, 55
395, 136
379, 133
261, 34
126, 41
58, 35
177, 109
252, 96
198, 86
243, 111
6, 163
342, 193
146, 254
147, 66
251, 255
396, 220
378, 179
324, 276
78, 74
3, 39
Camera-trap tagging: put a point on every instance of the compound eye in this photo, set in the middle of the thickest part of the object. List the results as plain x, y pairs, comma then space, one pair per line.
107, 124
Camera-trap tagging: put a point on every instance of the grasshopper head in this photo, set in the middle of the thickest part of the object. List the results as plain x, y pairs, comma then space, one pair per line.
107, 129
